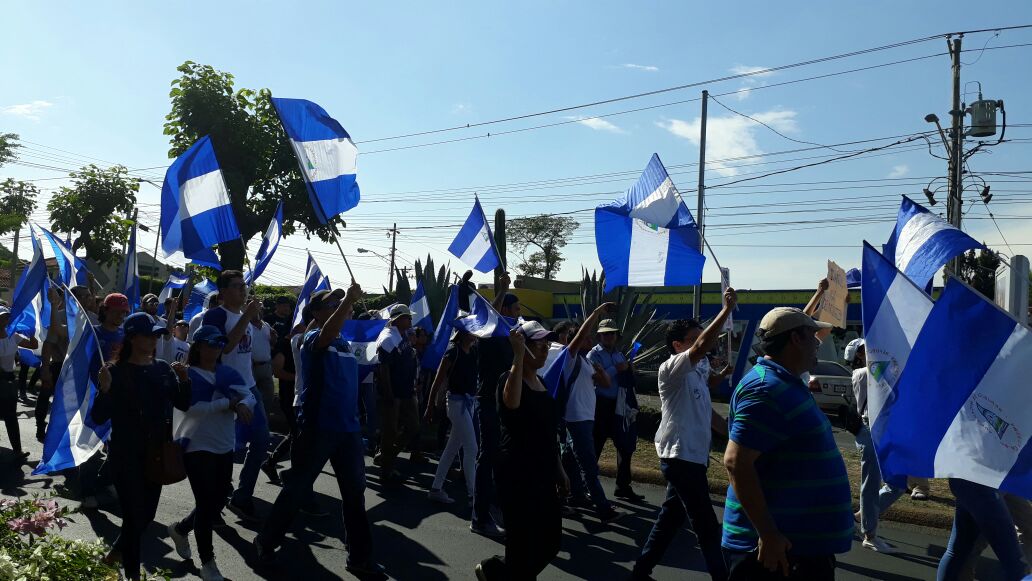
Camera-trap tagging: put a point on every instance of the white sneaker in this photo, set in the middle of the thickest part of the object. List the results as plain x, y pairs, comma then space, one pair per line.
918, 495
879, 546
440, 496
181, 542
209, 572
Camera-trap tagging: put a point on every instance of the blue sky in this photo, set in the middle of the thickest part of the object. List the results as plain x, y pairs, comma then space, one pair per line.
93, 80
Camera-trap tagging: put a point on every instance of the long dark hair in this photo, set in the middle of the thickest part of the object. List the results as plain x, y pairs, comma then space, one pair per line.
194, 356
125, 351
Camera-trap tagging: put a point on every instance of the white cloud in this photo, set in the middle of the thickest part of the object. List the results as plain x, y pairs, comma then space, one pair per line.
31, 111
731, 137
647, 68
597, 124
750, 82
462, 109
899, 171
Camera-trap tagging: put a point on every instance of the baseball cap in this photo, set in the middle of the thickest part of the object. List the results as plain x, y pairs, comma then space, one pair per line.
183, 322
149, 298
117, 301
211, 335
535, 331
398, 311
781, 319
319, 297
852, 348
141, 324
608, 326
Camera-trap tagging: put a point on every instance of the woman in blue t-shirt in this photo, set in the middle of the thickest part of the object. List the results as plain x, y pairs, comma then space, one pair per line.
207, 432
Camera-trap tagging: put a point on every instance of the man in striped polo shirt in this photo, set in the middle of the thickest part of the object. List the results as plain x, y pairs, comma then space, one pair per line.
789, 508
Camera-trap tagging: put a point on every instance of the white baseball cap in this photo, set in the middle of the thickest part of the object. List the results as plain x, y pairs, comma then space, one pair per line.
851, 349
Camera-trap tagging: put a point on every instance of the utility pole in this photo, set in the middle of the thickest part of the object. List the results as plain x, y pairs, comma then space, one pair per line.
394, 240
14, 262
120, 278
499, 234
954, 210
699, 214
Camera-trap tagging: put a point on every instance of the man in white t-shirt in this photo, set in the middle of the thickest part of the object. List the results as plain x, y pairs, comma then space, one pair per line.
683, 444
233, 319
173, 347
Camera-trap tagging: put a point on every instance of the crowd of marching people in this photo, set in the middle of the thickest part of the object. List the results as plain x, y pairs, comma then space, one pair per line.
526, 417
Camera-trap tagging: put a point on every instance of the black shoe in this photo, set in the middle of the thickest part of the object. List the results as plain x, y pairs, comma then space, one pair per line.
611, 515
628, 494
41, 434
245, 510
270, 470
218, 522
312, 508
266, 556
367, 570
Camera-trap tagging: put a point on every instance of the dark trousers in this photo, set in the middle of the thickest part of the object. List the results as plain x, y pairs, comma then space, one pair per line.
9, 408
533, 532
312, 449
400, 417
609, 426
211, 480
687, 496
581, 444
745, 567
487, 456
138, 498
286, 402
43, 398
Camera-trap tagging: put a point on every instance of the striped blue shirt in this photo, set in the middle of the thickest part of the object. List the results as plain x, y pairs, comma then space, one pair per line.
800, 468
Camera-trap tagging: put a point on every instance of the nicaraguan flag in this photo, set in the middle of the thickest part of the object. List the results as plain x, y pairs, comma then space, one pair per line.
131, 275
30, 308
555, 373
648, 238
196, 213
72, 437
269, 244
176, 281
474, 244
314, 281
73, 269
420, 308
435, 349
328, 157
922, 242
29, 359
198, 294
362, 335
484, 321
961, 407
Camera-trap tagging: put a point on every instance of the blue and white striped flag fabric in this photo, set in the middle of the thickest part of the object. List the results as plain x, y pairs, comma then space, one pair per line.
269, 244
176, 281
362, 335
555, 373
922, 242
435, 349
71, 436
420, 308
131, 274
196, 212
314, 281
73, 269
326, 154
961, 406
474, 244
30, 308
484, 321
648, 237
894, 311
198, 295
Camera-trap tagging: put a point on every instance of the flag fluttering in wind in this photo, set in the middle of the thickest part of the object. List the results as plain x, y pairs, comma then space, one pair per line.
73, 269
131, 274
435, 349
555, 373
314, 281
420, 308
362, 335
474, 244
198, 296
30, 308
176, 281
326, 154
648, 238
922, 242
269, 244
196, 212
484, 321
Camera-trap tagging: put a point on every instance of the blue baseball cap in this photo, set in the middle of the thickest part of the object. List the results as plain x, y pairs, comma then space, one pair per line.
143, 324
211, 335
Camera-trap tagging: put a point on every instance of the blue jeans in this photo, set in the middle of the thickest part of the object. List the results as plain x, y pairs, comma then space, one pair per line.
256, 436
874, 499
582, 444
687, 496
346, 454
980, 510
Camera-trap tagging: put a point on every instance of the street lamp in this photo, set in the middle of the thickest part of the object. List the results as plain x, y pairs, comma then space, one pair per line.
364, 251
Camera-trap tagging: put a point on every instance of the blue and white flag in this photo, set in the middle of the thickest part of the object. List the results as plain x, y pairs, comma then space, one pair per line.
30, 308
922, 242
961, 406
269, 244
475, 244
176, 281
196, 212
198, 295
555, 374
326, 154
435, 349
29, 359
362, 335
314, 281
73, 269
131, 274
420, 308
648, 237
484, 321
71, 436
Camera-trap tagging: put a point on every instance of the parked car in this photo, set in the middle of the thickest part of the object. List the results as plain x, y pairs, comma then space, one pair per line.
832, 386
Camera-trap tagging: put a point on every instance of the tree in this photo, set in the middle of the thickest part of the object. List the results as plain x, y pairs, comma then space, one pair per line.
547, 233
95, 209
979, 271
258, 164
8, 143
17, 201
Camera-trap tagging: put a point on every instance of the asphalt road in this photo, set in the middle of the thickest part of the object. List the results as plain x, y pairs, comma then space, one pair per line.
416, 539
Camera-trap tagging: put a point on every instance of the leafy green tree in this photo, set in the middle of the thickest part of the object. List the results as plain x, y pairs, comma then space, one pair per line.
95, 210
258, 164
8, 144
17, 201
979, 271
549, 234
